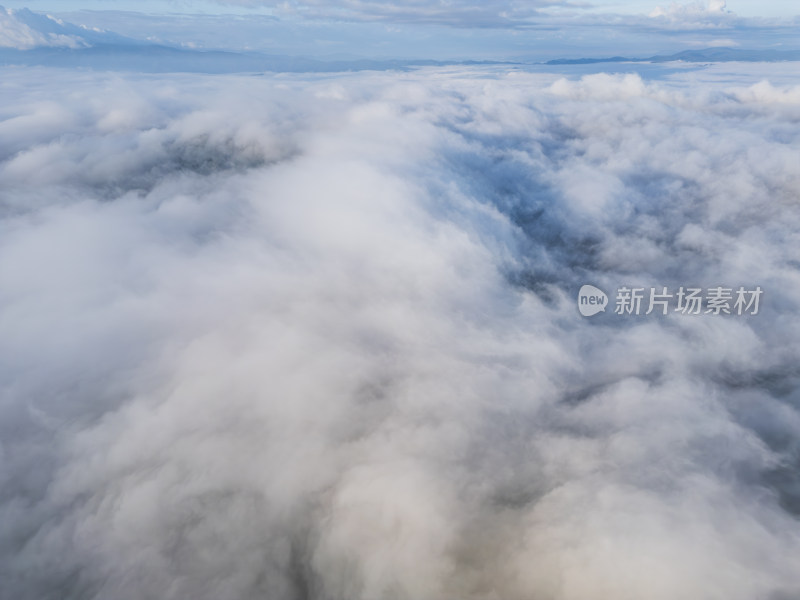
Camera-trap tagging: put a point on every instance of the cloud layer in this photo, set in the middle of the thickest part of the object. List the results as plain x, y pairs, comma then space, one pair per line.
349, 31
316, 337
460, 13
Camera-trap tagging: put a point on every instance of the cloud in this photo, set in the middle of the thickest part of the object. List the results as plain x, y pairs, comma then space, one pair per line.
316, 336
459, 13
712, 12
675, 9
24, 30
714, 43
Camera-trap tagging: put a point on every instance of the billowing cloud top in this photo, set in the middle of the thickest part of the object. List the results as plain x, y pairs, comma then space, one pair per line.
316, 337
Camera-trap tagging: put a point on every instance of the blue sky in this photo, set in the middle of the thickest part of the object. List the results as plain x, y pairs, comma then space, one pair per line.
745, 8
457, 29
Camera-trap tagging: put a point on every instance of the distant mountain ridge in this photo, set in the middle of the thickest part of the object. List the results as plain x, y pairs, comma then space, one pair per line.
704, 55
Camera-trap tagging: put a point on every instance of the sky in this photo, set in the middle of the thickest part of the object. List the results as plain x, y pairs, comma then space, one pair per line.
464, 30
747, 8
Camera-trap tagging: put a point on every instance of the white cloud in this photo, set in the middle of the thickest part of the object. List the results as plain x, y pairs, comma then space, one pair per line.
16, 33
713, 43
314, 337
676, 10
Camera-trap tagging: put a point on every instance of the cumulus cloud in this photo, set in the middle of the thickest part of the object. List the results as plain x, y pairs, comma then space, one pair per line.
17, 31
316, 337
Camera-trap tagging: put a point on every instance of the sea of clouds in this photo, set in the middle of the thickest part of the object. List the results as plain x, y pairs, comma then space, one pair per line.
316, 337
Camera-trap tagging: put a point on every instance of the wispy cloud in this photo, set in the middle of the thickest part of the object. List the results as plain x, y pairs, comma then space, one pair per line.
710, 8
460, 13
